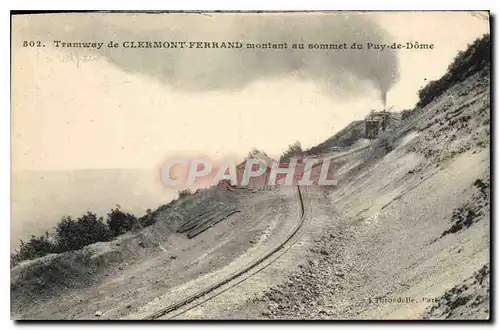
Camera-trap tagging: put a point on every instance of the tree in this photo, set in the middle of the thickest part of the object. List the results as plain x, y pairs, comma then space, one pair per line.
36, 247
120, 222
476, 57
75, 234
294, 149
147, 219
185, 192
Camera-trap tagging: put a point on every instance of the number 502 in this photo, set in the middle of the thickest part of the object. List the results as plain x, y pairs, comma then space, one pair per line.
32, 43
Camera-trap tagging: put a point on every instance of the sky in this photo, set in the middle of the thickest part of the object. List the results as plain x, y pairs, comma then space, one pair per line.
129, 109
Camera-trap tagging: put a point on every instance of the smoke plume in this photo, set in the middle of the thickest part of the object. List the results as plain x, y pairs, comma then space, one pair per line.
338, 72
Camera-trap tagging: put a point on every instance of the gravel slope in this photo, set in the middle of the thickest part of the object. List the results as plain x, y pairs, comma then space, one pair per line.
409, 221
139, 272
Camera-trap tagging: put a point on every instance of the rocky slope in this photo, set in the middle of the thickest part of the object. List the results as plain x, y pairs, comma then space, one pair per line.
413, 224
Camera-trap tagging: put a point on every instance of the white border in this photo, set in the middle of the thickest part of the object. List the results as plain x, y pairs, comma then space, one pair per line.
253, 5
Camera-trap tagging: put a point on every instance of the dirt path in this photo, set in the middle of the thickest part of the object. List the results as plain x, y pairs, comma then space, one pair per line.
139, 288
235, 302
287, 218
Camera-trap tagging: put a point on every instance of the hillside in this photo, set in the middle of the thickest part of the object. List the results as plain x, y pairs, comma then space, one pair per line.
343, 138
408, 227
404, 235
53, 195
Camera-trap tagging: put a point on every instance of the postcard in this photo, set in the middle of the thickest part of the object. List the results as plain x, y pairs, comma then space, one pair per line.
203, 165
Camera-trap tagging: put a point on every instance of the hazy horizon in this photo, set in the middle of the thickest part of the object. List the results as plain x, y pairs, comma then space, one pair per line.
40, 198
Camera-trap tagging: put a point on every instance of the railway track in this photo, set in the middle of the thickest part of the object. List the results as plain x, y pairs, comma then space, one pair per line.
251, 269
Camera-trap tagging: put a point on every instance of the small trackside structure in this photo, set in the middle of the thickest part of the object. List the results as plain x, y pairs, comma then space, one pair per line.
262, 181
376, 123
258, 171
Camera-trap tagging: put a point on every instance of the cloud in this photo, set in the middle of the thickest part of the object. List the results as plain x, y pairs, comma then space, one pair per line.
338, 72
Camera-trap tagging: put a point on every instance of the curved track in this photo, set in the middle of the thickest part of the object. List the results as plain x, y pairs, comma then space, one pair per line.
252, 268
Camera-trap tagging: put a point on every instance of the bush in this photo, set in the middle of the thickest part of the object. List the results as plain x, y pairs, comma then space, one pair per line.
120, 222
36, 247
293, 150
406, 114
466, 63
184, 193
148, 219
384, 143
75, 234
387, 144
254, 152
